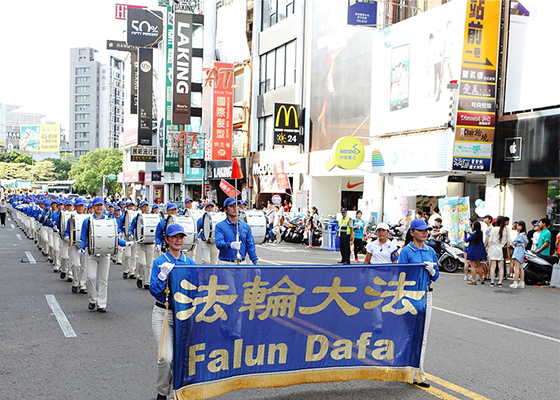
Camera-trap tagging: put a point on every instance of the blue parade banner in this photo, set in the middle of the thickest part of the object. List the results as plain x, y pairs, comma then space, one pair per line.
273, 326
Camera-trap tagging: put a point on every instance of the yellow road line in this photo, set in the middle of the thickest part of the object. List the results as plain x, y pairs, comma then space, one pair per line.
438, 393
455, 388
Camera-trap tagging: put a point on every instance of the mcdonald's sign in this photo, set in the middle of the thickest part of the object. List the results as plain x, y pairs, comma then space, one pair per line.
286, 125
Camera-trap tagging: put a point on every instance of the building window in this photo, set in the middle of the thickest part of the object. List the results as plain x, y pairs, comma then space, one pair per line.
399, 10
82, 125
82, 107
82, 70
82, 116
266, 133
84, 98
82, 79
278, 68
82, 89
274, 11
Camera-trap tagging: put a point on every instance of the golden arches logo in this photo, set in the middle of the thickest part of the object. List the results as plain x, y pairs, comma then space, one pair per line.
287, 113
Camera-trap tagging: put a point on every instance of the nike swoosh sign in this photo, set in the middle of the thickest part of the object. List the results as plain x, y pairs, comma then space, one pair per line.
293, 163
353, 185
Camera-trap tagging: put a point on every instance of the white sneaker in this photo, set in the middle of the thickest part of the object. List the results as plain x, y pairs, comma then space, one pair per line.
521, 285
514, 285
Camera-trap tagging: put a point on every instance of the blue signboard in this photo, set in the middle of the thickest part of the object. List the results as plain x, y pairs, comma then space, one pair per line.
362, 12
271, 326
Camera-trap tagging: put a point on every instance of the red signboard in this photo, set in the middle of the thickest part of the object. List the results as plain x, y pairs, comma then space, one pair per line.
221, 78
281, 177
120, 10
484, 120
229, 189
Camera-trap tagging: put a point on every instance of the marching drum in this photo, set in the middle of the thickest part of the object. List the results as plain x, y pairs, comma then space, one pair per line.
103, 237
62, 221
257, 221
189, 225
128, 217
76, 224
145, 229
209, 221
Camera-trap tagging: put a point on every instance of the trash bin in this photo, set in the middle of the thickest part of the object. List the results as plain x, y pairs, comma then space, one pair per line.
326, 239
334, 241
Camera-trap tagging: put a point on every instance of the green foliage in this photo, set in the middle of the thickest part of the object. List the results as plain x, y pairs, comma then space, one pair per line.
89, 171
17, 157
39, 171
61, 168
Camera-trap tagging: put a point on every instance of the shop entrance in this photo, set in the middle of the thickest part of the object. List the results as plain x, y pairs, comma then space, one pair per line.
350, 200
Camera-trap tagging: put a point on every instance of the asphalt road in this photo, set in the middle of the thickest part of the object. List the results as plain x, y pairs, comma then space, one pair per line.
483, 342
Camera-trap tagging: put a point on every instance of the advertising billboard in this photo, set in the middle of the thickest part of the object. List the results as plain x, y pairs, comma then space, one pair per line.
144, 28
341, 59
44, 138
222, 81
414, 61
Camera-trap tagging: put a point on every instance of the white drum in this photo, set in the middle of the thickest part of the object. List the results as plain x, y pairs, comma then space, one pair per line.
197, 214
257, 221
76, 224
128, 217
189, 225
103, 237
145, 229
63, 220
209, 221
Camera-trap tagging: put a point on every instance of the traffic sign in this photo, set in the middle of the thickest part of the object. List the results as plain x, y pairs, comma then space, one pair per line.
112, 177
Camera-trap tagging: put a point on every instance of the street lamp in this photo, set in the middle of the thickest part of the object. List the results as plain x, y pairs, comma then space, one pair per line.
112, 176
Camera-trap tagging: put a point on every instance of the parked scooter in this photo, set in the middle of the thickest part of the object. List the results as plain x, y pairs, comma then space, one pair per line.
450, 257
538, 268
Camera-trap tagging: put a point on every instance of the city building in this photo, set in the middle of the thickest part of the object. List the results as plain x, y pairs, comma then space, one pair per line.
96, 101
10, 122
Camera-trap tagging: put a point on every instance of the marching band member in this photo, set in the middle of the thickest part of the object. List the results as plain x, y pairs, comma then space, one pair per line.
171, 209
129, 256
78, 262
65, 269
145, 251
163, 311
120, 219
97, 265
206, 253
188, 207
52, 257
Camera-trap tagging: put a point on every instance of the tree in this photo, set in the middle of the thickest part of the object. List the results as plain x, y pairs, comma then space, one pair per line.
40, 171
13, 156
61, 168
89, 171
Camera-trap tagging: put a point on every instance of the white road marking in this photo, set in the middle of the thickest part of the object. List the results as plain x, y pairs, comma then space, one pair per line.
270, 262
13, 226
30, 258
60, 316
500, 325
18, 236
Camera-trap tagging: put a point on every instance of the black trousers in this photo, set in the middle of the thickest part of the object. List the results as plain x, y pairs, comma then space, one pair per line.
345, 248
3, 218
358, 247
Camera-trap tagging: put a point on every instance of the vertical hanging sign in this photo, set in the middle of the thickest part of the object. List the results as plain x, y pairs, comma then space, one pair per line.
182, 62
171, 155
134, 82
145, 73
476, 111
221, 78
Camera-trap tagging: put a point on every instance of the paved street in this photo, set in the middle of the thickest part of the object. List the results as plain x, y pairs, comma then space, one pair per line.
483, 342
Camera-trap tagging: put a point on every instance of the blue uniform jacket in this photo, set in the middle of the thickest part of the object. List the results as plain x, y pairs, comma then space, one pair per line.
160, 231
157, 286
225, 234
85, 227
412, 254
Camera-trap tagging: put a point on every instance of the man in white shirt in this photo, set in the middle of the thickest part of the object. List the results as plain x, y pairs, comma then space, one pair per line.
433, 217
382, 250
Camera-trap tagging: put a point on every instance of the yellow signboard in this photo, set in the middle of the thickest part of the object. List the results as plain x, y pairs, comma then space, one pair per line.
347, 153
44, 138
482, 30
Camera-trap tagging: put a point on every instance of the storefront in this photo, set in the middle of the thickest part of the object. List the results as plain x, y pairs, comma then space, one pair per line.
133, 184
218, 170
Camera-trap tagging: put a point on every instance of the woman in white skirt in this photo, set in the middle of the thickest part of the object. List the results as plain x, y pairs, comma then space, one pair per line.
495, 243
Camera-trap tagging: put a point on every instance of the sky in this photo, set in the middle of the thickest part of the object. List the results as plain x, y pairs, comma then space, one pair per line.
35, 41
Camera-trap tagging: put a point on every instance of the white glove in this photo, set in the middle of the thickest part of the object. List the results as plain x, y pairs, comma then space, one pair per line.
128, 244
82, 252
66, 238
235, 245
166, 268
130, 237
158, 247
55, 229
121, 235
430, 267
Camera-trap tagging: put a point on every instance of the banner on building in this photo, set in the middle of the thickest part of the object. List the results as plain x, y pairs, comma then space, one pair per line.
455, 213
281, 176
477, 89
143, 154
228, 189
171, 161
144, 28
43, 138
362, 12
221, 79
145, 74
239, 328
182, 64
133, 50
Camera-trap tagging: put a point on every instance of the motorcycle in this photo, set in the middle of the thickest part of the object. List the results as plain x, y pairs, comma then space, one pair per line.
450, 257
538, 268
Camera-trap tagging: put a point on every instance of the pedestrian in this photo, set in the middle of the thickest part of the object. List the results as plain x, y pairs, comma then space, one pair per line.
162, 312
382, 250
418, 252
495, 244
359, 225
436, 214
486, 232
475, 252
234, 238
3, 211
519, 245
277, 224
97, 265
545, 237
344, 233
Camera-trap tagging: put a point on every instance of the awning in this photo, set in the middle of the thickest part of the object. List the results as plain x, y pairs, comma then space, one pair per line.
420, 186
